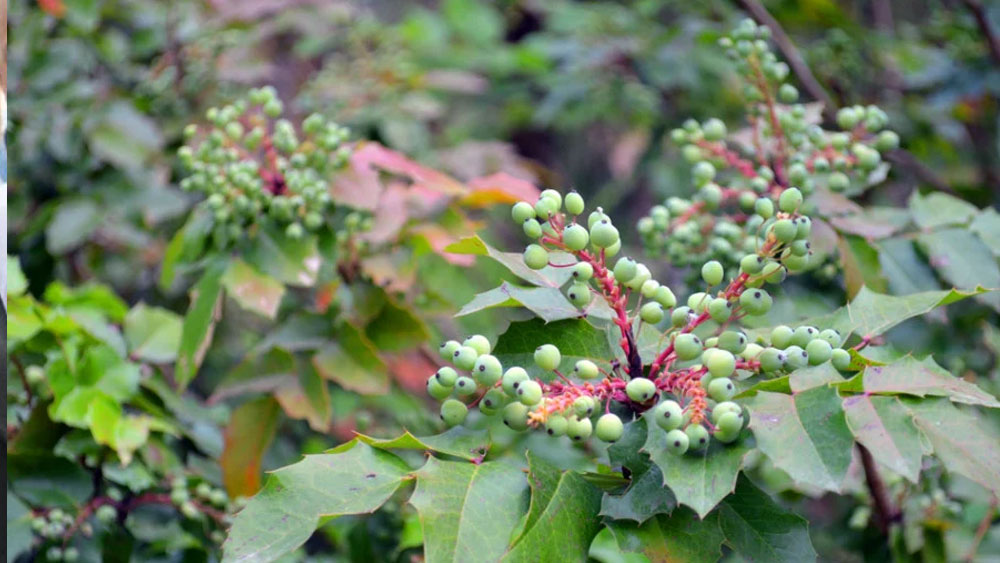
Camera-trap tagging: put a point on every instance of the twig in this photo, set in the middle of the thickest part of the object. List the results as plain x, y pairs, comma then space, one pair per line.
984, 526
24, 378
978, 12
885, 514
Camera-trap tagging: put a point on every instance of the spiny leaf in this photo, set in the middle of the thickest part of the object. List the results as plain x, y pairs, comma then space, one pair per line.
681, 537
759, 530
963, 260
549, 303
938, 209
922, 378
352, 362
513, 261
986, 226
645, 496
458, 441
468, 508
805, 435
886, 428
353, 479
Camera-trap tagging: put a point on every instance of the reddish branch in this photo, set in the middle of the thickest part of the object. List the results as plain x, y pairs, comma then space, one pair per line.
885, 514
732, 158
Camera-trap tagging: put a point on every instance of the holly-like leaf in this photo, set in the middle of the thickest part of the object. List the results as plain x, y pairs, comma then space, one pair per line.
886, 428
247, 436
872, 223
396, 327
910, 376
253, 290
699, 479
352, 479
645, 496
546, 277
905, 270
805, 435
292, 261
812, 376
576, 340
458, 441
759, 530
307, 399
199, 324
566, 513
965, 443
352, 362
468, 508
153, 334
548, 303
938, 209
963, 260
681, 537
861, 265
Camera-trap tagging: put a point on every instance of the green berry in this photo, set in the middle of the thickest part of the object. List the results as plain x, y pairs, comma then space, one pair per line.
803, 228
831, 336
492, 401
720, 309
465, 386
680, 316
536, 257
887, 141
465, 357
583, 271
721, 389
594, 217
764, 207
609, 428
803, 335
529, 392
218, 497
771, 360
703, 173
603, 234
790, 200
720, 363
687, 346
751, 264
796, 357
668, 415
574, 203
625, 270
579, 294
819, 351
522, 211
651, 313
553, 195
838, 182
730, 422
487, 370
841, 359
583, 406
648, 289
756, 301
773, 272
642, 275
512, 378
436, 390
71, 554
576, 237
725, 407
677, 442
547, 357
781, 336
106, 513
788, 94
515, 416
54, 553
732, 341
545, 208
446, 376
640, 389
579, 429
532, 228
714, 129
847, 118
795, 263
177, 496
784, 230
697, 436
586, 369
479, 342
556, 425
448, 349
712, 272
453, 412
665, 297
190, 511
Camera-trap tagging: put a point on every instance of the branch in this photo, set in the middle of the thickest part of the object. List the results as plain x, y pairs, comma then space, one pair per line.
984, 526
885, 514
978, 12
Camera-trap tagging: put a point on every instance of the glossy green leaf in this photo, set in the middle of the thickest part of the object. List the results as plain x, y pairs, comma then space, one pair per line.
910, 376
964, 442
567, 511
42, 479
186, 245
860, 262
153, 334
71, 225
776, 385
805, 435
812, 376
646, 496
938, 209
468, 508
681, 537
548, 303
963, 261
458, 441
906, 271
758, 529
199, 324
253, 290
292, 261
23, 321
513, 261
353, 479
397, 327
352, 362
886, 428
576, 340
871, 223
17, 284
699, 479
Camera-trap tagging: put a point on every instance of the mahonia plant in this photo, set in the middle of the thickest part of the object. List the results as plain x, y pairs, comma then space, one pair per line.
739, 176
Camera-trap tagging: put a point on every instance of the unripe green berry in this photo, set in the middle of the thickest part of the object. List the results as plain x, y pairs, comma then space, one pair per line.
698, 301
576, 237
771, 360
545, 208
583, 271
642, 275
532, 228
764, 207
847, 118
648, 289
487, 370
668, 415
579, 429
574, 203
831, 336
665, 297
492, 401
553, 195
790, 200
465, 357
465, 386
640, 389
796, 357
595, 216
732, 341
687, 346
725, 407
720, 309
586, 369
703, 173
721, 389
625, 269
712, 272
579, 294
651, 313
680, 316
515, 416
788, 94
781, 336
841, 359
803, 335
609, 428
773, 272
720, 363
729, 423
819, 351
547, 357
447, 349
697, 435
536, 257
887, 141
751, 264
106, 514
583, 406
677, 442
512, 378
71, 554
529, 392
479, 342
603, 234
453, 412
755, 301
190, 511
784, 230
556, 424
838, 182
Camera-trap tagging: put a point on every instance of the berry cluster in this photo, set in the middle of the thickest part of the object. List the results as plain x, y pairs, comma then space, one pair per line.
687, 389
786, 147
252, 165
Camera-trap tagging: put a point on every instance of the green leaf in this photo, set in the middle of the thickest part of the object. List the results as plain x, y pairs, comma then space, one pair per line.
872, 223
561, 526
548, 303
861, 265
307, 398
963, 260
886, 428
986, 226
965, 443
247, 436
938, 209
17, 284
42, 479
699, 479
813, 376
199, 324
353, 363
458, 441
468, 508
72, 223
105, 370
759, 530
19, 534
253, 290
153, 334
681, 537
576, 340
23, 321
906, 271
776, 385
90, 296
292, 261
910, 376
396, 327
186, 245
645, 496
805, 435
354, 479
513, 261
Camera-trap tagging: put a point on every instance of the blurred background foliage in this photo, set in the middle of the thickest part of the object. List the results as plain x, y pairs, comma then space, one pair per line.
563, 94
